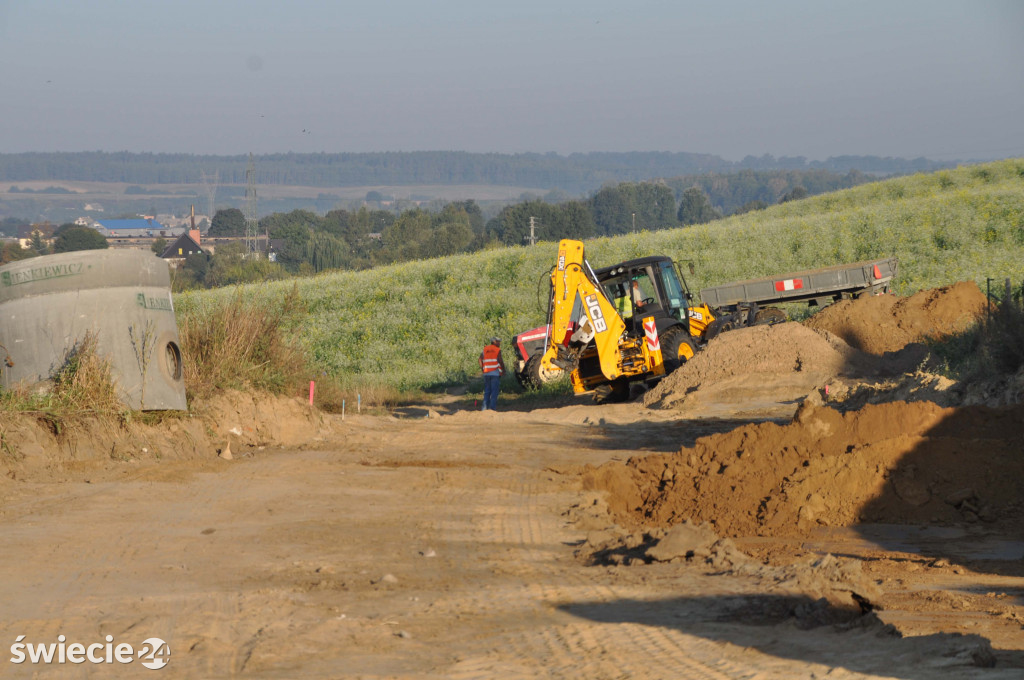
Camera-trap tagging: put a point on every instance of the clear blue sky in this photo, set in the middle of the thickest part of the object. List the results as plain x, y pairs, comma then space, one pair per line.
817, 78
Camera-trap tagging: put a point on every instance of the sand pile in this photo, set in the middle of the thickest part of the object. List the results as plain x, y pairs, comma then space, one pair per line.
871, 337
785, 361
888, 463
886, 323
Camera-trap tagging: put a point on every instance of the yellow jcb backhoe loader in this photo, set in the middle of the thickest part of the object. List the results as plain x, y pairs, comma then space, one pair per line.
618, 325
637, 320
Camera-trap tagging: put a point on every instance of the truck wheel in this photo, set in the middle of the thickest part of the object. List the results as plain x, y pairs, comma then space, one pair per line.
535, 375
770, 315
676, 348
716, 328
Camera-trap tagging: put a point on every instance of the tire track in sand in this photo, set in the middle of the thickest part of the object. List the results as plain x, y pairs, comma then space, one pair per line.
557, 644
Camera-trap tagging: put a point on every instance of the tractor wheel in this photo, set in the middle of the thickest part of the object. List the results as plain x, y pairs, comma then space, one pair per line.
676, 348
535, 375
521, 377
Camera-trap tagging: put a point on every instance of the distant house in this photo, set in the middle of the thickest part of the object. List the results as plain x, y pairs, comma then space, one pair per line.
136, 228
274, 246
185, 245
44, 231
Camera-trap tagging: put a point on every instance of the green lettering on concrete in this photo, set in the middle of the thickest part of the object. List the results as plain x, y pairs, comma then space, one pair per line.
158, 303
55, 271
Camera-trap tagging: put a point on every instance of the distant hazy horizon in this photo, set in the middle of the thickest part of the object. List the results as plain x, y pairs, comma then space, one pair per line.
939, 79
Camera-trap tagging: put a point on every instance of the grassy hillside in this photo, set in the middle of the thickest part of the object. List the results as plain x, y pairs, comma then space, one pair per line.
423, 323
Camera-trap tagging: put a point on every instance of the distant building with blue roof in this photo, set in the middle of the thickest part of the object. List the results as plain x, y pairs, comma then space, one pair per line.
137, 228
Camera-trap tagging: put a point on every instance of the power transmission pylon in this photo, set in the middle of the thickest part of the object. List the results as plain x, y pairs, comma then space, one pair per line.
210, 183
251, 221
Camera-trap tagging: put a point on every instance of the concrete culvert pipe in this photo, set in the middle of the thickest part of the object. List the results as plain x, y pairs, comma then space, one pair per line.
49, 303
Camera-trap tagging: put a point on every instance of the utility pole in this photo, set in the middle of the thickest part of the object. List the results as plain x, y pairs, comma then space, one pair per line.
533, 235
634, 223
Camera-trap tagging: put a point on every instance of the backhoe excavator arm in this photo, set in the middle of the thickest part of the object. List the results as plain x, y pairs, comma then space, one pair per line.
572, 277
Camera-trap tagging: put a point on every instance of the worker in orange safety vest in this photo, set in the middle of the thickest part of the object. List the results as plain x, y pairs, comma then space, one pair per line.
493, 367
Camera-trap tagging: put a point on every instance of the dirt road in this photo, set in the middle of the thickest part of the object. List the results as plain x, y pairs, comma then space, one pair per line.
430, 547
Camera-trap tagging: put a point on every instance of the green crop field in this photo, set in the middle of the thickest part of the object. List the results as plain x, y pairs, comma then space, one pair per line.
423, 323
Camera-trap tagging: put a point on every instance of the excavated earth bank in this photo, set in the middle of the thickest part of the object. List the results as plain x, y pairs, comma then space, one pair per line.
908, 460
232, 423
886, 463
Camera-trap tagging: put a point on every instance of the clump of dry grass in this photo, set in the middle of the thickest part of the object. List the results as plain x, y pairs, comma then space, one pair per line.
242, 344
332, 397
84, 383
82, 387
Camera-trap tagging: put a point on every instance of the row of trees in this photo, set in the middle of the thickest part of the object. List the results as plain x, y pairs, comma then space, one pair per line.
306, 243
739, 191
680, 201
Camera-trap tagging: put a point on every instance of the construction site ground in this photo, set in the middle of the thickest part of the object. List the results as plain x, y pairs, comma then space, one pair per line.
440, 542
786, 505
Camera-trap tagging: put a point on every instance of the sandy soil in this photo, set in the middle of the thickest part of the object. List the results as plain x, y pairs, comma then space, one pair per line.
737, 521
436, 544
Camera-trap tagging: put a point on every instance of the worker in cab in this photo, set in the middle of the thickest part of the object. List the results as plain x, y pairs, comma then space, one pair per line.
636, 295
493, 367
629, 301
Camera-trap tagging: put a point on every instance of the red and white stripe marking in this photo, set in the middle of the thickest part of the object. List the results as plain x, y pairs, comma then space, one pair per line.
789, 284
651, 331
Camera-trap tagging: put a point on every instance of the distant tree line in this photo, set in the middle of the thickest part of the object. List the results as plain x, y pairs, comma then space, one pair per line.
14, 189
341, 239
311, 243
680, 201
575, 173
306, 242
737, 192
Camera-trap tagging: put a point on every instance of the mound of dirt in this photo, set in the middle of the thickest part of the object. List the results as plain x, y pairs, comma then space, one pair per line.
887, 463
37, 449
766, 367
878, 324
785, 361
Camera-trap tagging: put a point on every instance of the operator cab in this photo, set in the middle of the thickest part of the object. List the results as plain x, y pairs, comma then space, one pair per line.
647, 286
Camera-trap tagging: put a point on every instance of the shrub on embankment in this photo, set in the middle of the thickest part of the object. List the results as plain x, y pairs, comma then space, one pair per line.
423, 323
239, 343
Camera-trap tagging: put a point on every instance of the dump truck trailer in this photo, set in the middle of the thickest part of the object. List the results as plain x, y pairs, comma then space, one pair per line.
751, 302
818, 287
